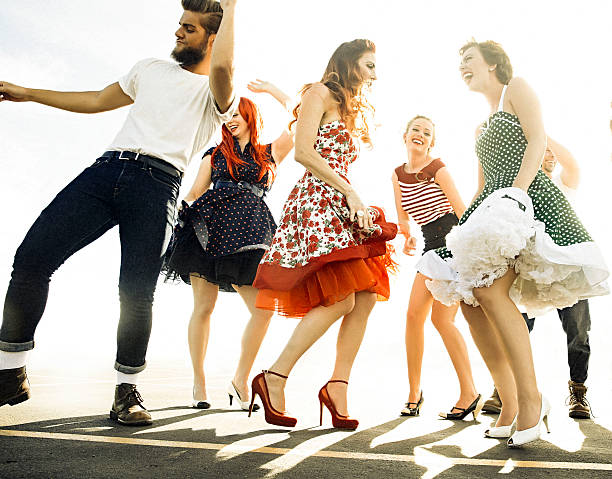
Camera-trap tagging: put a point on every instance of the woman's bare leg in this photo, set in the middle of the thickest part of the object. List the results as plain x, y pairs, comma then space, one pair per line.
253, 335
443, 318
419, 306
514, 337
350, 337
312, 326
204, 299
490, 347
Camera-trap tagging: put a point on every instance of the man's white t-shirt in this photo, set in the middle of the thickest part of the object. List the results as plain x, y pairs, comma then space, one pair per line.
174, 114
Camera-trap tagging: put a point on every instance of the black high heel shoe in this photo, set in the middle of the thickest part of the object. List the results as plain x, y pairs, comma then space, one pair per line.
473, 408
413, 411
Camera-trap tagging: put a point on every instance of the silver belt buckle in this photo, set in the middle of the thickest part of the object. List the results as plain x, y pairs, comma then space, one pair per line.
121, 157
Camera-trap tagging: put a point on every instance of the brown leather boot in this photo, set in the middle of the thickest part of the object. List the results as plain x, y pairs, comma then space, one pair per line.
493, 404
579, 407
14, 386
127, 407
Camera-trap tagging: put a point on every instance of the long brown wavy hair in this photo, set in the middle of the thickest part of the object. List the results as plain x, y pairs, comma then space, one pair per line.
346, 84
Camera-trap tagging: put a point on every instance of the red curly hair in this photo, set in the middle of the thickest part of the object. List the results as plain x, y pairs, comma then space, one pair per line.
249, 111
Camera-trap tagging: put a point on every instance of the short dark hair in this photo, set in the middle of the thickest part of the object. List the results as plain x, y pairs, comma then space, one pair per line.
493, 54
210, 10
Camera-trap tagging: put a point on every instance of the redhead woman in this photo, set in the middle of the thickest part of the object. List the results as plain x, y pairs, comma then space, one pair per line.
328, 259
225, 231
424, 191
518, 242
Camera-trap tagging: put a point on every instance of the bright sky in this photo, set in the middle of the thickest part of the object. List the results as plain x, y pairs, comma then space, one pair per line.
562, 48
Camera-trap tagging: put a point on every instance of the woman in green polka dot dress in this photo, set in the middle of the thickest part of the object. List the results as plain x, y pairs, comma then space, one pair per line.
518, 242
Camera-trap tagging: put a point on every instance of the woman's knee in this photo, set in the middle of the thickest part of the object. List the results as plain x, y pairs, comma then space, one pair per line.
262, 315
203, 311
485, 295
347, 305
414, 319
443, 322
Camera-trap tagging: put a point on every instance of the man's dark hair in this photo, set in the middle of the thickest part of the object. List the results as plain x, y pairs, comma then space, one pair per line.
210, 10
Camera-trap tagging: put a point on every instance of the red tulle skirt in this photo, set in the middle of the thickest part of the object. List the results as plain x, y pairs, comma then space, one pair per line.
331, 283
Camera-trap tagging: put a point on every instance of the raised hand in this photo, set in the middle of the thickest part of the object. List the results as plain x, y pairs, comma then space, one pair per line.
261, 86
225, 4
10, 92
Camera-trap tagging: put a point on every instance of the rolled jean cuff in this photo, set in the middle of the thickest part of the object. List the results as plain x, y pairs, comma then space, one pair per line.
129, 369
16, 347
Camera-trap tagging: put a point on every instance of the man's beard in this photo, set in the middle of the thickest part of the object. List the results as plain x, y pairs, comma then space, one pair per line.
189, 56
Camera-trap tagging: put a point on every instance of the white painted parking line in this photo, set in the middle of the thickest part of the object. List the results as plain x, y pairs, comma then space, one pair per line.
455, 461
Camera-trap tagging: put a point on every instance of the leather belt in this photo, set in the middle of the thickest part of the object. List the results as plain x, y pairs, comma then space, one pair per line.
146, 160
243, 185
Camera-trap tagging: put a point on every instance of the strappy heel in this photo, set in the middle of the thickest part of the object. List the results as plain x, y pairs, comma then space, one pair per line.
413, 411
473, 408
338, 420
259, 387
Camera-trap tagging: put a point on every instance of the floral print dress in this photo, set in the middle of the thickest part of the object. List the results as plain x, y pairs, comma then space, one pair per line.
318, 256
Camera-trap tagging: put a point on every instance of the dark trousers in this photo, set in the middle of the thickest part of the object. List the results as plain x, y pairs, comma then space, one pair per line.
576, 322
138, 198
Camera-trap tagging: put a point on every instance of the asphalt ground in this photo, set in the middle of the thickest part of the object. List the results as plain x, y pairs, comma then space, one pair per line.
64, 429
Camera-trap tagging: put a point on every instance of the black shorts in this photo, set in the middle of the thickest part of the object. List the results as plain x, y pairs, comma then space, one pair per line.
434, 233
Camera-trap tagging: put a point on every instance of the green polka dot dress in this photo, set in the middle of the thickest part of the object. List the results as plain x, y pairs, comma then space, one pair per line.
538, 234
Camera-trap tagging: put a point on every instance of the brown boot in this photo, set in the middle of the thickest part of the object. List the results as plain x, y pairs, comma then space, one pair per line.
14, 386
493, 404
579, 407
127, 407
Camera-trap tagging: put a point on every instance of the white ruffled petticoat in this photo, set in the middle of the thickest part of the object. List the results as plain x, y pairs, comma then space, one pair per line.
501, 233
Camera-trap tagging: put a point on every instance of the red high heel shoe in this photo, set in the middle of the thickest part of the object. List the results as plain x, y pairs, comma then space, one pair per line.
338, 420
259, 387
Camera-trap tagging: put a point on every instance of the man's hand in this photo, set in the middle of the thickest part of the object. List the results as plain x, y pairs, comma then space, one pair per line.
10, 92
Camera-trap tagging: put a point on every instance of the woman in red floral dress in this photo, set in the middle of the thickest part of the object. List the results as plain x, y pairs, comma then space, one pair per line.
328, 258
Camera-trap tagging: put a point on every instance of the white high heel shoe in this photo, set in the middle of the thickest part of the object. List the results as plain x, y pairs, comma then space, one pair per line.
500, 432
244, 405
197, 404
527, 435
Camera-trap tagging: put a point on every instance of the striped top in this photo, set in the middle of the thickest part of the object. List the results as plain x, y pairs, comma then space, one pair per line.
422, 197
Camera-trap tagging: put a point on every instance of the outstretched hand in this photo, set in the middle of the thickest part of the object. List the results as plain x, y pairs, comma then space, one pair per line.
10, 92
260, 86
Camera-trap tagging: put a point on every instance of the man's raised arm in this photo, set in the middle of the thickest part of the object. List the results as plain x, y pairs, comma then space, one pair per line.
222, 60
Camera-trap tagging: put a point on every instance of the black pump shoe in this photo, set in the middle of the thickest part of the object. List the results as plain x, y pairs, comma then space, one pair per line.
473, 408
413, 411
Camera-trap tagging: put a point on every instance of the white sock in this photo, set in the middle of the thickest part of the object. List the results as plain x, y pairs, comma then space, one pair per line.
13, 360
127, 378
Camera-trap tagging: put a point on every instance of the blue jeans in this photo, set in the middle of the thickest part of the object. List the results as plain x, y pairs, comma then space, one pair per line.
138, 198
576, 322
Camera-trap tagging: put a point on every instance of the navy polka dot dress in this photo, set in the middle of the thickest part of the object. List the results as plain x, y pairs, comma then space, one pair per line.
222, 236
